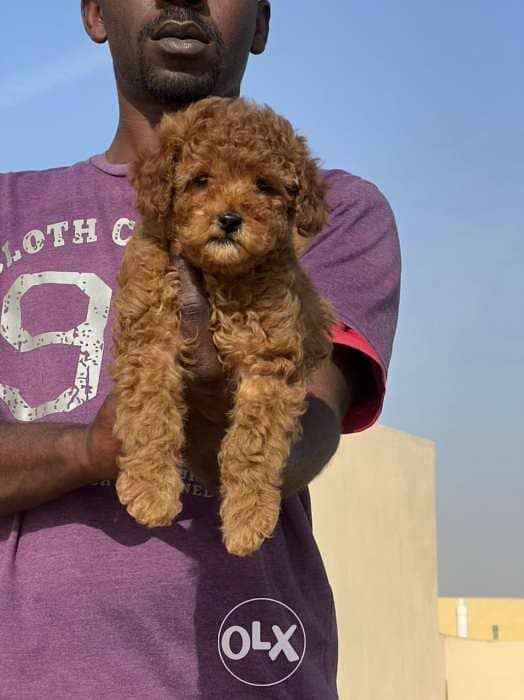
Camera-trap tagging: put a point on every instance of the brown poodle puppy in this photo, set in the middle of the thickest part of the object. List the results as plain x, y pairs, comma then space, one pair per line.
236, 190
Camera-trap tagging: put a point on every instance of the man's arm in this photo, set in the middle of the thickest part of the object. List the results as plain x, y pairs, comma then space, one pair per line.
43, 461
335, 388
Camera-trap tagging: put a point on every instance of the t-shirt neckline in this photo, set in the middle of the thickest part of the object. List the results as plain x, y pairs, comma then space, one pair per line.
117, 169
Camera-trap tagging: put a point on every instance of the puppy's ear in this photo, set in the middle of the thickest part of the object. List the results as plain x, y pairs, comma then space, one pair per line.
311, 207
153, 173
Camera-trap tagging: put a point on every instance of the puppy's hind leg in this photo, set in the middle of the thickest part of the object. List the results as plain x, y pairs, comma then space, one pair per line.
149, 384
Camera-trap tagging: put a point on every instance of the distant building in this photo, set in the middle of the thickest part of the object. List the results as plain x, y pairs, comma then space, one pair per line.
488, 619
488, 662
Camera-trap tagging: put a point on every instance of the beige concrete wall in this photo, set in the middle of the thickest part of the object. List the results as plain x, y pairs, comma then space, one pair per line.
483, 613
484, 670
374, 520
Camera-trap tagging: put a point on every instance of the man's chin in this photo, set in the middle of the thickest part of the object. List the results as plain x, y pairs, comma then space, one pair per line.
168, 87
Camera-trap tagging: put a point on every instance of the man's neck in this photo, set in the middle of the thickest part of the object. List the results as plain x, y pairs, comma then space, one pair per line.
136, 129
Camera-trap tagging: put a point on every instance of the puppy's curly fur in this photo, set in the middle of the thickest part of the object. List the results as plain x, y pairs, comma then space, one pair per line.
270, 327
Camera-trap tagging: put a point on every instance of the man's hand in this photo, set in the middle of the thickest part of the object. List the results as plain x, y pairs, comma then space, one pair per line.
100, 447
208, 388
208, 398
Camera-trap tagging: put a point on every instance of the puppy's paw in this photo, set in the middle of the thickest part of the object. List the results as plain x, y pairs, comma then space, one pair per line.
149, 503
247, 521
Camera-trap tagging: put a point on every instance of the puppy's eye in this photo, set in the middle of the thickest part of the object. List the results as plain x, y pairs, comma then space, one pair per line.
266, 187
200, 180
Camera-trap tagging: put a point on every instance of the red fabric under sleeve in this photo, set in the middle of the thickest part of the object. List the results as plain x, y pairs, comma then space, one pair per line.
366, 412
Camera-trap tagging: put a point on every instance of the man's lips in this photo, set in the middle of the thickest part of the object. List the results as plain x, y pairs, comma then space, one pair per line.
182, 39
181, 47
184, 31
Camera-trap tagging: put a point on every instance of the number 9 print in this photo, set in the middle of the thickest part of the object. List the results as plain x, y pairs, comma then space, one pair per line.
88, 337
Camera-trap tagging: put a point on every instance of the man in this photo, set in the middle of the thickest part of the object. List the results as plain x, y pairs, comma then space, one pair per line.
92, 604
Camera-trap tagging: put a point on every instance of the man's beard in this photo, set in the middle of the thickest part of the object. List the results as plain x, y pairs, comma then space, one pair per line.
170, 88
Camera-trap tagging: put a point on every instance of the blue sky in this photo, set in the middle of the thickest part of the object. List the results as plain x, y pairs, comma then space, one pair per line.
424, 99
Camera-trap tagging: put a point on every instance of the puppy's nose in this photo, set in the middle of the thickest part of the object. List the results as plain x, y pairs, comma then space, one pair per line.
229, 222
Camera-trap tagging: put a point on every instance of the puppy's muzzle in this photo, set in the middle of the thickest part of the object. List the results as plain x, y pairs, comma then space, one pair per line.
230, 223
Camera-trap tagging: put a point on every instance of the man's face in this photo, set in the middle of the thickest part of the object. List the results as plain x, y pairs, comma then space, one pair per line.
179, 52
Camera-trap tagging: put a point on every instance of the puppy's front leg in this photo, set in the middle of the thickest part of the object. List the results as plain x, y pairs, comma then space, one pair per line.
148, 377
252, 456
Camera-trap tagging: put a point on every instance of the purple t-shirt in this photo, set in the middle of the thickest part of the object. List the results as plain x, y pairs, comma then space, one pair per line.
92, 604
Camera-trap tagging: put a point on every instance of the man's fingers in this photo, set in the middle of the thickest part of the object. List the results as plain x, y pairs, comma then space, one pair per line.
194, 299
195, 322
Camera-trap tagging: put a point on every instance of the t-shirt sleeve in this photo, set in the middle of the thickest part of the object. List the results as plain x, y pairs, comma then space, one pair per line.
355, 263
